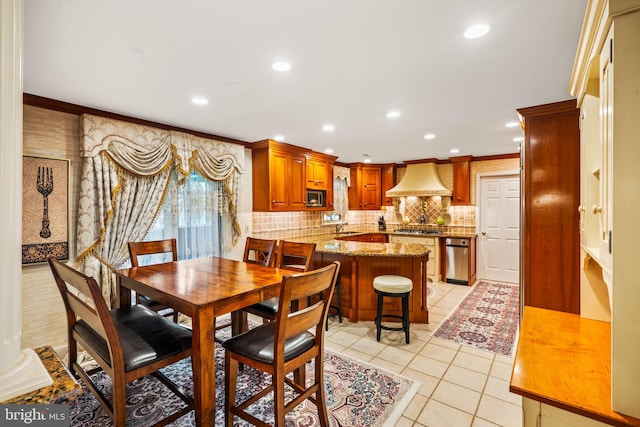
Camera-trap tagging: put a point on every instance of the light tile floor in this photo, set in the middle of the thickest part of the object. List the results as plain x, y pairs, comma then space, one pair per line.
461, 386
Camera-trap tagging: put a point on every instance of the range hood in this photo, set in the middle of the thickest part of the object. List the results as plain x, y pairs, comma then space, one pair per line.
420, 180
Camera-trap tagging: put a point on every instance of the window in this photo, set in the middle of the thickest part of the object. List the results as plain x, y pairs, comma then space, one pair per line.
340, 202
191, 213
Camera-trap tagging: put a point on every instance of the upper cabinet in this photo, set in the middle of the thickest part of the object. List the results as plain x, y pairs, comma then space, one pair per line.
282, 173
365, 190
461, 183
606, 84
388, 180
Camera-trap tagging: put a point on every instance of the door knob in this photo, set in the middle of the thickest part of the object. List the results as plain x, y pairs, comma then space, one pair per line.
484, 233
596, 209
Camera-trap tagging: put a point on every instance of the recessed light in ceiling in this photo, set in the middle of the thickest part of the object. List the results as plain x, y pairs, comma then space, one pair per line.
512, 124
393, 114
329, 150
281, 66
429, 136
367, 160
328, 128
518, 139
279, 138
475, 31
454, 150
198, 100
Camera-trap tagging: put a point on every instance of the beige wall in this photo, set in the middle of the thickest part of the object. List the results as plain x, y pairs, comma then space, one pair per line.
49, 134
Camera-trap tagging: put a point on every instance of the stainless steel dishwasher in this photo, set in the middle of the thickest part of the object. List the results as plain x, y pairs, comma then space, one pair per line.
457, 261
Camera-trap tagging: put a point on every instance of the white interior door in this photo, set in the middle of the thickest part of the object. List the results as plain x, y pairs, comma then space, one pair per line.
499, 228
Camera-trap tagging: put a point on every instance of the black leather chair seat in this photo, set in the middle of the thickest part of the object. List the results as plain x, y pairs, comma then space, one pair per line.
144, 335
148, 302
269, 307
257, 343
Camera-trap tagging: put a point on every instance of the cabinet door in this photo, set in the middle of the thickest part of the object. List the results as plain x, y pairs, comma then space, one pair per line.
461, 194
316, 175
388, 181
279, 168
298, 193
605, 206
371, 188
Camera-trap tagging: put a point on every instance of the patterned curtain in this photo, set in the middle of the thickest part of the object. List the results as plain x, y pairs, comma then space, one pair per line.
125, 175
341, 181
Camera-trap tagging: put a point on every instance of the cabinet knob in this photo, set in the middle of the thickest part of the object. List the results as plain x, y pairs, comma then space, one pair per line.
597, 209
273, 202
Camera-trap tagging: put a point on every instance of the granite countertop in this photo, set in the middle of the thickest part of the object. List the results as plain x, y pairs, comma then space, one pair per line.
344, 247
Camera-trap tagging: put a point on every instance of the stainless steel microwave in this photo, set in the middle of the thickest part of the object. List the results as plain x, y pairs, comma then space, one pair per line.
316, 198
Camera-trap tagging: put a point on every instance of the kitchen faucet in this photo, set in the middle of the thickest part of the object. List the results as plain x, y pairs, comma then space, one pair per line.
339, 227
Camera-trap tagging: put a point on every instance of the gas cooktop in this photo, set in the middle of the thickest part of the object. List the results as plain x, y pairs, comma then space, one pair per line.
417, 231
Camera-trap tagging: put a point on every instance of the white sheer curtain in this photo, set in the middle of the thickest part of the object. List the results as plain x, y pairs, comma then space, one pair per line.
190, 214
341, 181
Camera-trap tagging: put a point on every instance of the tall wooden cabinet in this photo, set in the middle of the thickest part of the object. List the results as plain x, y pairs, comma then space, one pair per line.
551, 195
461, 183
279, 176
388, 181
365, 190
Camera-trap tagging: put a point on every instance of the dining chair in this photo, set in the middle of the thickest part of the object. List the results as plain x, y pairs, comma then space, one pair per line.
127, 343
256, 251
294, 256
155, 247
284, 346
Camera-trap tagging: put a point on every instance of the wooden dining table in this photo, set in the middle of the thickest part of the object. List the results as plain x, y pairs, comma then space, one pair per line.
203, 289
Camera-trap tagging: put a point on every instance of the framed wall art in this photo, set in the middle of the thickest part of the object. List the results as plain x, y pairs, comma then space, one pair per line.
45, 209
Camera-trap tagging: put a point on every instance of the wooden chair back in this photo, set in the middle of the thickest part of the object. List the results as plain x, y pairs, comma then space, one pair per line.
303, 285
138, 249
259, 251
295, 255
83, 301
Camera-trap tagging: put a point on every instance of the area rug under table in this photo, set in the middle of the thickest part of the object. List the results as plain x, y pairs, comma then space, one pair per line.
487, 318
357, 394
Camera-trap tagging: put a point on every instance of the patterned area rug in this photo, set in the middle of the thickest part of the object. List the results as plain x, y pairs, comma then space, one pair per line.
357, 394
487, 318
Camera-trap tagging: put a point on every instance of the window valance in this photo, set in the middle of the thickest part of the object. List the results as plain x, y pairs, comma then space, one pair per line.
125, 174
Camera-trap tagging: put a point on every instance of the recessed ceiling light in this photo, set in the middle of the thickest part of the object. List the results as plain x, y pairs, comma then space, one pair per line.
512, 124
367, 160
518, 139
281, 66
279, 138
476, 31
198, 100
329, 150
454, 150
393, 114
429, 136
328, 128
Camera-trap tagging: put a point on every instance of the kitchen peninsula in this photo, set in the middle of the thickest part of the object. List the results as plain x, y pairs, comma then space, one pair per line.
362, 261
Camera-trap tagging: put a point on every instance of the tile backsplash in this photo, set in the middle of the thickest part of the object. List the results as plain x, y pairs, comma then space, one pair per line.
274, 225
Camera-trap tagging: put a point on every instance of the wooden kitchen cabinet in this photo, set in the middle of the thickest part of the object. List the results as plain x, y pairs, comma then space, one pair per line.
367, 238
365, 190
388, 181
551, 194
317, 176
461, 183
279, 177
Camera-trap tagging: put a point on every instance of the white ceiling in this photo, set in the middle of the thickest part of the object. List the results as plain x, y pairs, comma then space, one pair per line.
352, 61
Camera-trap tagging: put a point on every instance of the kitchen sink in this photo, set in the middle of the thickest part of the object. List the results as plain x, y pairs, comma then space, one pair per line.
417, 231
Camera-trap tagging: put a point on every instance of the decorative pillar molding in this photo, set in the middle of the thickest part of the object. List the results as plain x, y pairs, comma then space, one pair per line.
21, 371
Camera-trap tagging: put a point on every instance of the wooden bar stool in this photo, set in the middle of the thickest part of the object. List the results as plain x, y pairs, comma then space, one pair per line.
394, 287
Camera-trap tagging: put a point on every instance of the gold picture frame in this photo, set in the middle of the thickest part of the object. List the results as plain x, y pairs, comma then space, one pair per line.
45, 209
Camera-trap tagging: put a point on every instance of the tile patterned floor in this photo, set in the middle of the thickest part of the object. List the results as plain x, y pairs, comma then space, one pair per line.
461, 386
